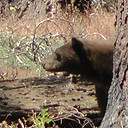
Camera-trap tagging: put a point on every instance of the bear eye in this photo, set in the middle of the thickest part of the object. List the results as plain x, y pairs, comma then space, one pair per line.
58, 57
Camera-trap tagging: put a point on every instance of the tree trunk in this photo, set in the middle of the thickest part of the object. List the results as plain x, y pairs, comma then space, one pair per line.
117, 109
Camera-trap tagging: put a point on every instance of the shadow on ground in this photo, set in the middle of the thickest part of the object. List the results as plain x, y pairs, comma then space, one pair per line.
70, 105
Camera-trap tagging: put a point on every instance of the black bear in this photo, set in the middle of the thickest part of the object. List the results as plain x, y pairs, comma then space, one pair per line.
92, 59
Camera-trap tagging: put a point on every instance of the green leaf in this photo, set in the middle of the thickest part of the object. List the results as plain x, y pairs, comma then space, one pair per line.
36, 122
46, 120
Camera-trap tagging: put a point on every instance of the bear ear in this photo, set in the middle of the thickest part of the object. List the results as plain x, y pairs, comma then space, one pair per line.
77, 45
80, 51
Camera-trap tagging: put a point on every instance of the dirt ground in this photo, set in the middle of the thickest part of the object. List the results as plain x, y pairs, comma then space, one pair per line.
64, 99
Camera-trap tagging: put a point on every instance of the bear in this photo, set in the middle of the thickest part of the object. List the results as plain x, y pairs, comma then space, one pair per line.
92, 59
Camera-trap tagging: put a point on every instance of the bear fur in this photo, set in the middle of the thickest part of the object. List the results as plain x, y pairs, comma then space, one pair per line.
92, 59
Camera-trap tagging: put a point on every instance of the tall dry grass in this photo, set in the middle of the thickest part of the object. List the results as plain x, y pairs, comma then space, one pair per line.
96, 22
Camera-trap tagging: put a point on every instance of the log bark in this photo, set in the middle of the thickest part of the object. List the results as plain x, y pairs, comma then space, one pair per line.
117, 109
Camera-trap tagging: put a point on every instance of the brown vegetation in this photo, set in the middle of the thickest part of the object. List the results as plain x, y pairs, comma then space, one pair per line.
95, 25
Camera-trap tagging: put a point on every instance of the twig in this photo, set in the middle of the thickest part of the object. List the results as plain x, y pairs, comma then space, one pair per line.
90, 34
20, 124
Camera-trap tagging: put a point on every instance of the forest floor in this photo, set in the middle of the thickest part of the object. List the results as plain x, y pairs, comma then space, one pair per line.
64, 99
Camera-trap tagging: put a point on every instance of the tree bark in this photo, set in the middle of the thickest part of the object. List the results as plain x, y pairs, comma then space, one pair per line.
116, 115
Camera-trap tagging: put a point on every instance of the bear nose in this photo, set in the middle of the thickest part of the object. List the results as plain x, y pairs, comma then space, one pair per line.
43, 63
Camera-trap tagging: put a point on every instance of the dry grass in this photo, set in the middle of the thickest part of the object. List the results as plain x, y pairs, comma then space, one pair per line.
69, 25
97, 22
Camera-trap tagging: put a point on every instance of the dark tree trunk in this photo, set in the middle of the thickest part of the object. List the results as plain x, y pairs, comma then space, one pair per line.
117, 109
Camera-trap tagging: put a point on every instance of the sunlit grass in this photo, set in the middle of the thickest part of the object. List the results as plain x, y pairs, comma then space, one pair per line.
17, 36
